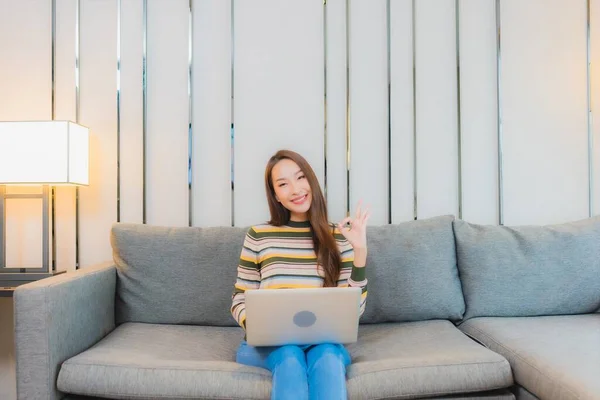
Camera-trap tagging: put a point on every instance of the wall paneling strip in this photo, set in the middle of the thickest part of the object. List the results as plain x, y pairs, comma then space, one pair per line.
436, 108
278, 94
594, 86
544, 111
119, 19
401, 110
53, 189
78, 120
131, 112
336, 75
211, 88
478, 111
167, 163
369, 108
145, 112
98, 110
65, 109
589, 112
190, 112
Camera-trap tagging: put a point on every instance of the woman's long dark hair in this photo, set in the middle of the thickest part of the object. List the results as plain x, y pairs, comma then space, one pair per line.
328, 254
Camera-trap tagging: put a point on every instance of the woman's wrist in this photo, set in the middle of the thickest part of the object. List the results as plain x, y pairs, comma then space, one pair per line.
360, 257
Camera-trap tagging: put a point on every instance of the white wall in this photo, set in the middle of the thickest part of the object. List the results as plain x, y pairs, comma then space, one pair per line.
286, 74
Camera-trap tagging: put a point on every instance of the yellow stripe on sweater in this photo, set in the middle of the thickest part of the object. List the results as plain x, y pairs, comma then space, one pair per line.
271, 229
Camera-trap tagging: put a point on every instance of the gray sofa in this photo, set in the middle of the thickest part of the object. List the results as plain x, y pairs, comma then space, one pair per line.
455, 310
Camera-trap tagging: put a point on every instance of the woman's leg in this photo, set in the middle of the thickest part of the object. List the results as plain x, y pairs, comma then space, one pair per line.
288, 365
253, 356
326, 366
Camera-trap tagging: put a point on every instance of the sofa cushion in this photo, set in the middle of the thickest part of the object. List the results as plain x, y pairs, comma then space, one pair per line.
146, 361
405, 360
420, 360
494, 395
553, 357
412, 273
175, 275
529, 270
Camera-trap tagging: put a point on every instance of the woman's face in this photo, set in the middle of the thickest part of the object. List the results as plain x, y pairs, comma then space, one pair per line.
292, 189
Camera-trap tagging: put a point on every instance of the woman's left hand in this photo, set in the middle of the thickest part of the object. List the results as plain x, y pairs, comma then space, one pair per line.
356, 230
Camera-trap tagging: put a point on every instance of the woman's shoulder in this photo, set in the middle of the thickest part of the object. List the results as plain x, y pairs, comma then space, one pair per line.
254, 229
265, 229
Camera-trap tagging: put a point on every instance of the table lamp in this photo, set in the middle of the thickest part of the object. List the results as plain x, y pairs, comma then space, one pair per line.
46, 153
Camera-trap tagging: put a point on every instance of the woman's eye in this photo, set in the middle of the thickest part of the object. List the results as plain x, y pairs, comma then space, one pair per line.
301, 177
282, 184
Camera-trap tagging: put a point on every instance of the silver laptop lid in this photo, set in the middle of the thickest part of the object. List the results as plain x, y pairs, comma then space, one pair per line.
277, 317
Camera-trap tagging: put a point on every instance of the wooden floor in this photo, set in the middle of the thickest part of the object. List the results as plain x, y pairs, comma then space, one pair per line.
8, 390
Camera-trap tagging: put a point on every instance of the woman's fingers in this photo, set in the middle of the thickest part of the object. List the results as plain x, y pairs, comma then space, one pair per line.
366, 214
344, 222
358, 210
366, 217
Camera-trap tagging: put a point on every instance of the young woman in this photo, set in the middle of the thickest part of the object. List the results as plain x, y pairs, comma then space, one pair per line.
299, 248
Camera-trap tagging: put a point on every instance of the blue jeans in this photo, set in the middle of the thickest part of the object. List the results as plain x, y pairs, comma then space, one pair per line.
301, 372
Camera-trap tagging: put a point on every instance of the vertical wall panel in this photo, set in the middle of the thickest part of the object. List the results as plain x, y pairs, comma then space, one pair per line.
402, 117
336, 109
479, 111
65, 59
544, 111
278, 94
369, 167
437, 142
26, 68
25, 94
65, 110
167, 121
98, 55
595, 94
211, 77
131, 132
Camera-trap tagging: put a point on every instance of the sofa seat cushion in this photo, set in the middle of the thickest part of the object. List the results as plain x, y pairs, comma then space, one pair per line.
400, 360
553, 357
150, 361
494, 395
420, 360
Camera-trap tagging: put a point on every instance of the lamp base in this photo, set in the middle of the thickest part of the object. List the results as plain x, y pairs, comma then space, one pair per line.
10, 281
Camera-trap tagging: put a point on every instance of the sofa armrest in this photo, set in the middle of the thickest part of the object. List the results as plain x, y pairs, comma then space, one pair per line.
57, 318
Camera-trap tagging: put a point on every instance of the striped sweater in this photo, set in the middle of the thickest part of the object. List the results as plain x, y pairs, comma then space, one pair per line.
278, 257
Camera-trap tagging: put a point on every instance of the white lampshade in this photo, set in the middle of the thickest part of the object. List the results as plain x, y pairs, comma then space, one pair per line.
44, 152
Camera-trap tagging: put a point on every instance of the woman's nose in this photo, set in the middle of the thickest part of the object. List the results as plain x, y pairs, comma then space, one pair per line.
295, 188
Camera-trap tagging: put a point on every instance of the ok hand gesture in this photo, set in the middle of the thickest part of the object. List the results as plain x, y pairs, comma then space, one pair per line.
356, 230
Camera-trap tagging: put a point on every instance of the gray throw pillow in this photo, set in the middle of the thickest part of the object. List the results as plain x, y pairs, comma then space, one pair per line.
529, 270
411, 268
175, 275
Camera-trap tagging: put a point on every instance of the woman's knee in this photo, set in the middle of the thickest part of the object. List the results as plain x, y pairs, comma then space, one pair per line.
327, 353
289, 354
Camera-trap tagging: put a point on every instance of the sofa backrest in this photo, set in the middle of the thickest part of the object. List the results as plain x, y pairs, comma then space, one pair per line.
529, 270
175, 275
412, 273
186, 275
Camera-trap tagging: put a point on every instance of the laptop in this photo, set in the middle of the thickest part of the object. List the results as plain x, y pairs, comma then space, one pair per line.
276, 317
